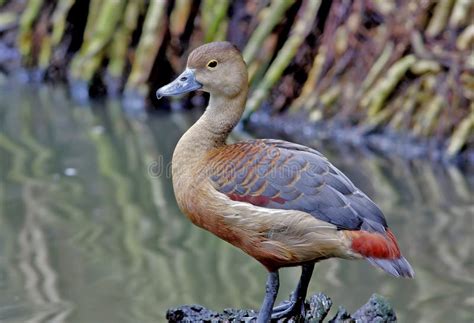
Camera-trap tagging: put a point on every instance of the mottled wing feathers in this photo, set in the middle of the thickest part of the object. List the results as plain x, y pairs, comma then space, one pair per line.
281, 175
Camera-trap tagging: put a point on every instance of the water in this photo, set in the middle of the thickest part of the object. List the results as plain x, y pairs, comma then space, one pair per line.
90, 231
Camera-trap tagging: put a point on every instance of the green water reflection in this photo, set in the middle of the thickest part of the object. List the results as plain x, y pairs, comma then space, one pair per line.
90, 231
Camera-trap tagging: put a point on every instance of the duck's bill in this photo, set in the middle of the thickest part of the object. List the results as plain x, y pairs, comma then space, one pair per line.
184, 83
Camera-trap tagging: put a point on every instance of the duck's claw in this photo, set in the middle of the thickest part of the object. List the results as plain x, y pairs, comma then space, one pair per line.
284, 309
283, 306
287, 309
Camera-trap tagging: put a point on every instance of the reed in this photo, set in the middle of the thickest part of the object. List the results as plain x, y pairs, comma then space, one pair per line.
408, 69
147, 49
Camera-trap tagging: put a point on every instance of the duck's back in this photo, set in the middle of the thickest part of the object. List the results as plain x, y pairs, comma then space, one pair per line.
281, 175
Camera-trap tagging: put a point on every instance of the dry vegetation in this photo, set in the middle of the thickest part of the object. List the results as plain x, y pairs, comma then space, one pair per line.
403, 65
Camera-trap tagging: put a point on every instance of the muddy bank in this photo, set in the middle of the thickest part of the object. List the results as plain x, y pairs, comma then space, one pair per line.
371, 140
377, 309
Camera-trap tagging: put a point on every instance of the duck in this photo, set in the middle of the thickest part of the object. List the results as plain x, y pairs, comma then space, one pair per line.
282, 203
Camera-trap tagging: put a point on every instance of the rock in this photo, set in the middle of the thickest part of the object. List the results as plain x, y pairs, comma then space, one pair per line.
198, 313
376, 310
342, 316
319, 306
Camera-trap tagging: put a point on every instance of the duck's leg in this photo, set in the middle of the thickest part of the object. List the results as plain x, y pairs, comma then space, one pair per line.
271, 291
297, 298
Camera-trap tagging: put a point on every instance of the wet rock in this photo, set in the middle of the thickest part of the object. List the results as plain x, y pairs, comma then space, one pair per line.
198, 313
342, 316
319, 306
376, 310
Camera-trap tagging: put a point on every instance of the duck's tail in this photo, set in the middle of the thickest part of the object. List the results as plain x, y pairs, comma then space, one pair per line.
397, 267
381, 250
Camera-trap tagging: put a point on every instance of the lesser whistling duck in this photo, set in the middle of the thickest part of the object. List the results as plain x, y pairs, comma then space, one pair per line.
282, 203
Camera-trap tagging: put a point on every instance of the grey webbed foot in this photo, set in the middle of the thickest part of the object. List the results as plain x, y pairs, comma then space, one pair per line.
288, 308
295, 305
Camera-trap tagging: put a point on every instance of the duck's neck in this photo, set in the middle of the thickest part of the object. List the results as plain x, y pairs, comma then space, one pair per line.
220, 117
213, 128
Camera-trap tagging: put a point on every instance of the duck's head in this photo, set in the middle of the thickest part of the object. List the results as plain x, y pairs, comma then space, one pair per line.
217, 68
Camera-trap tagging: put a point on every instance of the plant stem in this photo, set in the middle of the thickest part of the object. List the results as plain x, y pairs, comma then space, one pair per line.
150, 42
271, 18
300, 30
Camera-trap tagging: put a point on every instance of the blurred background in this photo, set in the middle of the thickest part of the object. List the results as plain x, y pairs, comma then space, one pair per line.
89, 227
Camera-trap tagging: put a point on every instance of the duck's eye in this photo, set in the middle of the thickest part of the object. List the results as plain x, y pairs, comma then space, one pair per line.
212, 64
